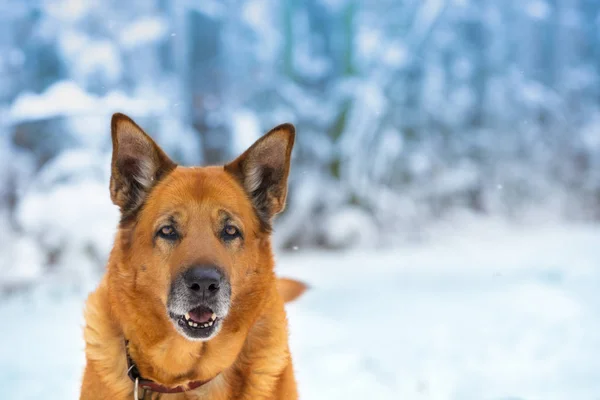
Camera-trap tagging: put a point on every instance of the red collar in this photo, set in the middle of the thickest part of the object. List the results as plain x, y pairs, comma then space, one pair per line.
147, 384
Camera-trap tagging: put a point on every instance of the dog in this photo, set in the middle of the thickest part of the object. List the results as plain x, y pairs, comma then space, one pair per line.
189, 306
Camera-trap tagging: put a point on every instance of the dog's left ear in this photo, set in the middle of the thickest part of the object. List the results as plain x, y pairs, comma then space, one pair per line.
263, 171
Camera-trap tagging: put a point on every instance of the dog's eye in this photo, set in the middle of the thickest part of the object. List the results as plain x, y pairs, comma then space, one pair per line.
230, 232
167, 232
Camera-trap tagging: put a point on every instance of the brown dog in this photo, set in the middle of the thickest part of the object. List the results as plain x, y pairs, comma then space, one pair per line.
189, 307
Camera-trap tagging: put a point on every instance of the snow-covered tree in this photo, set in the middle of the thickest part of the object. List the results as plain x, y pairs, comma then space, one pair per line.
408, 112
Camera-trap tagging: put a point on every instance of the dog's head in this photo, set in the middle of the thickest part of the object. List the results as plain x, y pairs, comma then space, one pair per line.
194, 247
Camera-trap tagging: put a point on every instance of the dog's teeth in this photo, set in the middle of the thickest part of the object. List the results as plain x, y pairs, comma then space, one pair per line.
202, 325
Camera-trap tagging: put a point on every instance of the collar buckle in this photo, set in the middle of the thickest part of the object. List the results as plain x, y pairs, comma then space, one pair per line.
136, 390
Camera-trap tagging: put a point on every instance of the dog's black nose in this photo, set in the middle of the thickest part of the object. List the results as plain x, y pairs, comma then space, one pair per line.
204, 281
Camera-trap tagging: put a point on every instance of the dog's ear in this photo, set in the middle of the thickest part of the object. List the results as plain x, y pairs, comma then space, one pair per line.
137, 164
263, 171
290, 289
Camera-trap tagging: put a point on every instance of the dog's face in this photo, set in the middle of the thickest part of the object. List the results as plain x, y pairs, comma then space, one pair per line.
194, 239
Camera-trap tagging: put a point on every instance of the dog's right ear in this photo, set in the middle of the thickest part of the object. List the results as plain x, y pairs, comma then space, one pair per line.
137, 164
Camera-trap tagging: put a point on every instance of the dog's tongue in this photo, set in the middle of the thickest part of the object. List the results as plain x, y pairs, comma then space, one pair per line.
201, 314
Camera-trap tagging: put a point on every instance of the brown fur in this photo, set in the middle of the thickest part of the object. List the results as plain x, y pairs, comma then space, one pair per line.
249, 358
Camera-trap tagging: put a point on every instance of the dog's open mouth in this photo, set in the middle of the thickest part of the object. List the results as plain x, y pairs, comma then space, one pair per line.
199, 318
200, 323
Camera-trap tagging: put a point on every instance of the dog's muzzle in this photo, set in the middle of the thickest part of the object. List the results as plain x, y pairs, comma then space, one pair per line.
199, 301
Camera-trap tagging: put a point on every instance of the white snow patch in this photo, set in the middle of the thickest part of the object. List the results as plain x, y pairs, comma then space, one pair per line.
454, 180
255, 13
348, 227
90, 60
22, 261
368, 43
63, 97
538, 9
245, 128
68, 211
590, 134
68, 10
490, 313
66, 98
100, 59
396, 55
143, 31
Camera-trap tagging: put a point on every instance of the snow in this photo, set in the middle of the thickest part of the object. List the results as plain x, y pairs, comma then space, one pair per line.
60, 98
91, 61
98, 59
70, 189
143, 31
255, 14
487, 315
66, 98
490, 312
349, 227
426, 18
410, 84
22, 262
390, 148
396, 55
462, 178
68, 10
245, 128
368, 43
590, 135
538, 9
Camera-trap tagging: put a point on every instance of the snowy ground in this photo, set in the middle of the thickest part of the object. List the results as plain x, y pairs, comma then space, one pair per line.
491, 314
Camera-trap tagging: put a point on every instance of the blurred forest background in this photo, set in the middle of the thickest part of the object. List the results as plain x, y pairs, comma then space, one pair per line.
409, 113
